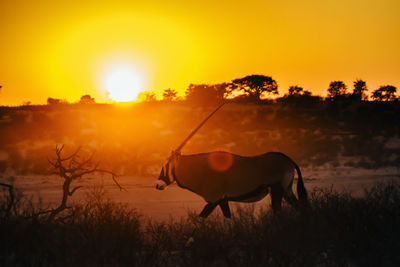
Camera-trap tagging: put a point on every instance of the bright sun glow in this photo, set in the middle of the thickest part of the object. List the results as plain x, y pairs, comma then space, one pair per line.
122, 84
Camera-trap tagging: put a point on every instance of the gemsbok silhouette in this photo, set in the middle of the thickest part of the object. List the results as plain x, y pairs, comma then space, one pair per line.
220, 177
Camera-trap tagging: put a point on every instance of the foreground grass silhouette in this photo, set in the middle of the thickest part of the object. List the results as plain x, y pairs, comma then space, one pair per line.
336, 230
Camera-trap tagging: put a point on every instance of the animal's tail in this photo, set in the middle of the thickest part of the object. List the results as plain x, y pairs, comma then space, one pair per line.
301, 190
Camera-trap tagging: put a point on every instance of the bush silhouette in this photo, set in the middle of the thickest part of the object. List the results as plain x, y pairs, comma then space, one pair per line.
385, 93
337, 89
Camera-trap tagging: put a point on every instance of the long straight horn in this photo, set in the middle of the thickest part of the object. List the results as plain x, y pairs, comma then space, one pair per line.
198, 127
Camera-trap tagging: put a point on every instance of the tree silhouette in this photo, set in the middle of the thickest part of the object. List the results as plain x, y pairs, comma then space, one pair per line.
86, 99
147, 96
297, 96
221, 90
296, 90
53, 101
337, 89
255, 86
72, 168
360, 89
169, 94
385, 93
205, 93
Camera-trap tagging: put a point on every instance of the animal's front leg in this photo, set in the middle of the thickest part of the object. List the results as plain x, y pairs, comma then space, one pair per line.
204, 213
225, 208
208, 209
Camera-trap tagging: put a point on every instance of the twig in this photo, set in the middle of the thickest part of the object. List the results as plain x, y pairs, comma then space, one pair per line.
73, 190
114, 176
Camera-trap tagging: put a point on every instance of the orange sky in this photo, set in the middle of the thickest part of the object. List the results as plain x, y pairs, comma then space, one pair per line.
66, 50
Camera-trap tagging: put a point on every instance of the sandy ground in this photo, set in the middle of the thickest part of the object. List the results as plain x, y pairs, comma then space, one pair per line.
175, 202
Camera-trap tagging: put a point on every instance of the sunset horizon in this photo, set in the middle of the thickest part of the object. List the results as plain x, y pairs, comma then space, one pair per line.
69, 50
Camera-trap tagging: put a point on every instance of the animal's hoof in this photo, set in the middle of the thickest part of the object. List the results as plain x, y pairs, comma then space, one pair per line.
160, 185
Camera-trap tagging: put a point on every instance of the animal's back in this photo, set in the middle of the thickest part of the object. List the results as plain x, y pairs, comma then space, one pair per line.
243, 176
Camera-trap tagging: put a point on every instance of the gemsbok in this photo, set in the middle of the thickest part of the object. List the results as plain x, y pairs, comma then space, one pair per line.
220, 177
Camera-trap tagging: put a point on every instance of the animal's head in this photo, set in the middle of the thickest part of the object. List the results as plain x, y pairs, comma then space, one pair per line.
167, 174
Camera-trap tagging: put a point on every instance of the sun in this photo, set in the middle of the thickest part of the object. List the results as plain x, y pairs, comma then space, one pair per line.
122, 84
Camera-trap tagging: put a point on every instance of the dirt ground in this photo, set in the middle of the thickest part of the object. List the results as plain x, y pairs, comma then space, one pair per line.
175, 202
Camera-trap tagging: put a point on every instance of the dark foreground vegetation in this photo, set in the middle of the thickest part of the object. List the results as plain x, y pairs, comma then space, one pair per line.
336, 230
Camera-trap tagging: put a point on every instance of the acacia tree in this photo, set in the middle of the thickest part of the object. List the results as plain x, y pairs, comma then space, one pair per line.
360, 89
385, 93
169, 94
254, 86
337, 89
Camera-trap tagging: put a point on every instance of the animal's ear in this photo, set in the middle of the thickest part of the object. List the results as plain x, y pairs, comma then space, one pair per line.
164, 171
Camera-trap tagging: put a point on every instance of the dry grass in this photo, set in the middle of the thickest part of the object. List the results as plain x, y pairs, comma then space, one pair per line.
336, 230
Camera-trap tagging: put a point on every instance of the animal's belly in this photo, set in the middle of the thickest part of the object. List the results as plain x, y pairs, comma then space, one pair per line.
251, 196
255, 198
249, 186
241, 188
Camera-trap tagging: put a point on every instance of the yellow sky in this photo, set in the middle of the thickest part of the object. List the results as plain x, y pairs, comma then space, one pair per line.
66, 50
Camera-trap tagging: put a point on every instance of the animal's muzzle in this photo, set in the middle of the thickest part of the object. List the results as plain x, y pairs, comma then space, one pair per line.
160, 185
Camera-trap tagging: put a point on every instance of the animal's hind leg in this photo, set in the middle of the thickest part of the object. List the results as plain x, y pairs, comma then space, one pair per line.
276, 197
225, 208
208, 209
291, 198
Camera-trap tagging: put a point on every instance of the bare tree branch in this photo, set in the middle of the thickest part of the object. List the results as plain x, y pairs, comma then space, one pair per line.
52, 163
114, 176
73, 190
76, 169
73, 154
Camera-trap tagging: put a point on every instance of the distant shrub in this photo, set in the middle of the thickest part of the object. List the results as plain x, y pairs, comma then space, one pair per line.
337, 89
385, 93
205, 94
56, 101
169, 94
86, 99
